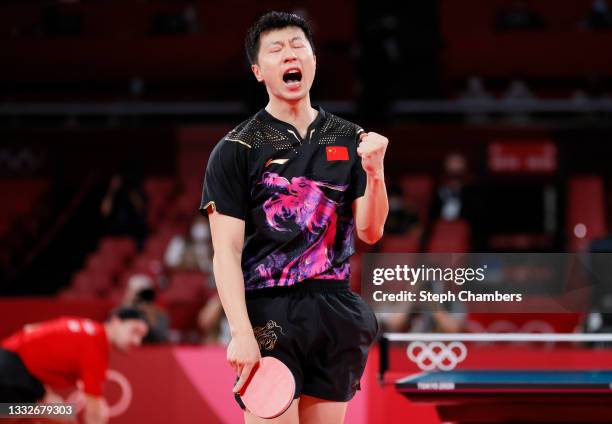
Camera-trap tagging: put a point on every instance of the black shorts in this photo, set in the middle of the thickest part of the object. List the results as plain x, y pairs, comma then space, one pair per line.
320, 329
17, 385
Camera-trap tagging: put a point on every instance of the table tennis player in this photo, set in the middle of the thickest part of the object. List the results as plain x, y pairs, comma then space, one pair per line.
285, 192
55, 354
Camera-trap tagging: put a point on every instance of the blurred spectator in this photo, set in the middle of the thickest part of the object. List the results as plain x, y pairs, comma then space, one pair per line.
450, 317
192, 251
140, 293
600, 316
190, 14
475, 94
137, 87
599, 16
519, 16
123, 208
212, 322
402, 217
211, 318
135, 285
475, 90
595, 88
451, 199
518, 92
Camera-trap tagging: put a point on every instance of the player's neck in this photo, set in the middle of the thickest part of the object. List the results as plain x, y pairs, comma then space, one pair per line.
299, 114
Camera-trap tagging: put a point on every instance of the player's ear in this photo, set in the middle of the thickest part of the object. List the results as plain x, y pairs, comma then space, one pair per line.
257, 72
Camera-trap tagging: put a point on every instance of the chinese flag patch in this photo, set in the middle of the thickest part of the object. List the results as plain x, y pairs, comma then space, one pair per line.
337, 153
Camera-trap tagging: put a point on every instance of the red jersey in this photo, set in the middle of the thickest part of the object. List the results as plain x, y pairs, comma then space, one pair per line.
62, 351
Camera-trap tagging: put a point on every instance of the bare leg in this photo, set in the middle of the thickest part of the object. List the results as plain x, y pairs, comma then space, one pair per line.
290, 416
314, 410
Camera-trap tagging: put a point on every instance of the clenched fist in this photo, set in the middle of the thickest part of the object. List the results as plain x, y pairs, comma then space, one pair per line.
372, 152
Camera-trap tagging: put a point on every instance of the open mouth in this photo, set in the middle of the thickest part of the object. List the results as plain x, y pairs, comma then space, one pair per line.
292, 77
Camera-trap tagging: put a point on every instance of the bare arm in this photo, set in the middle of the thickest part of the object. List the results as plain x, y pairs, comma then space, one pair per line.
107, 205
96, 410
227, 238
109, 198
51, 396
371, 209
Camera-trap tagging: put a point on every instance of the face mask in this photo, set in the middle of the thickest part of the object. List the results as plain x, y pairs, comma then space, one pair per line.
199, 232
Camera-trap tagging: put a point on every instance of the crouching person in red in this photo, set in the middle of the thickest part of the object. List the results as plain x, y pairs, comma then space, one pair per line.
60, 352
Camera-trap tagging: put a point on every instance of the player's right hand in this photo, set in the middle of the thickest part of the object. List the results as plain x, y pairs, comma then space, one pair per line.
242, 354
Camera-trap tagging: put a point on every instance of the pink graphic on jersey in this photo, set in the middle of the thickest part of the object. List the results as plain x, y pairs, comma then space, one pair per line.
303, 203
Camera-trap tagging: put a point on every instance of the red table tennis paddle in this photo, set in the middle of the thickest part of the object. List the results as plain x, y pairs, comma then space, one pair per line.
269, 390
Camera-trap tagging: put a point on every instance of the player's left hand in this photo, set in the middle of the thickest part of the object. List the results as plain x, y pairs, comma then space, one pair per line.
372, 152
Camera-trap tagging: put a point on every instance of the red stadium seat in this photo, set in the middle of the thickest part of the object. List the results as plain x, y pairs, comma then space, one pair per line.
418, 191
156, 246
123, 247
115, 296
90, 284
104, 264
449, 237
408, 243
147, 265
184, 208
24, 193
186, 287
69, 293
473, 46
159, 191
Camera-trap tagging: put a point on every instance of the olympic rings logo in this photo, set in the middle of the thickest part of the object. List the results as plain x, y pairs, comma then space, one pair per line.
119, 407
436, 355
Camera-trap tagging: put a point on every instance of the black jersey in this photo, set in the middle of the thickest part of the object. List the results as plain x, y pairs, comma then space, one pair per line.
295, 195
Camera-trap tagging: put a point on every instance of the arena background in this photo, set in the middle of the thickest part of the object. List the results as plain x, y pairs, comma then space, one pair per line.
509, 99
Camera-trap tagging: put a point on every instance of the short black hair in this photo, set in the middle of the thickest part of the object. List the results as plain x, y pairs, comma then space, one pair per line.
128, 312
271, 21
